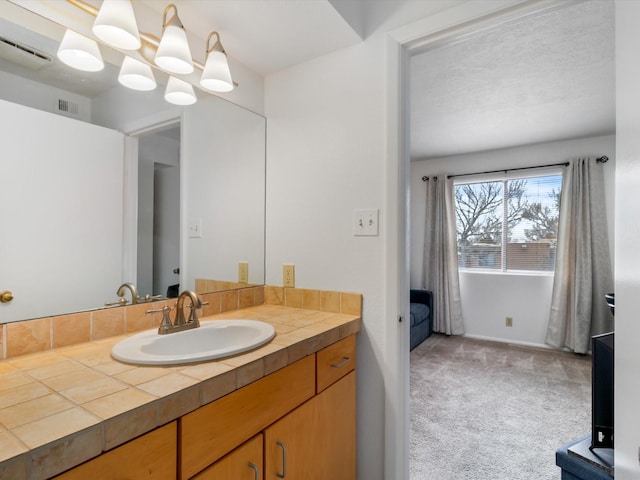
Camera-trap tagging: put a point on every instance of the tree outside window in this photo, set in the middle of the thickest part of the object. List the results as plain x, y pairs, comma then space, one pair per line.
508, 224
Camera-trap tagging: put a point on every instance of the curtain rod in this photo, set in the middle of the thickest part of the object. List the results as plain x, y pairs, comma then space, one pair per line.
602, 159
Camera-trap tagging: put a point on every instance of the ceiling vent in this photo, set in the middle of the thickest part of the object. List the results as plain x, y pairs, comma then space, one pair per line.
23, 55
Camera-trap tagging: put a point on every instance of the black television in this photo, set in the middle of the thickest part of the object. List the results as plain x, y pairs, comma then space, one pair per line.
602, 349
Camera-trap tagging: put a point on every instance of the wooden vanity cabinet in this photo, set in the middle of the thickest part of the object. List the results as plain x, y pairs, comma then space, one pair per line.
296, 423
152, 456
304, 416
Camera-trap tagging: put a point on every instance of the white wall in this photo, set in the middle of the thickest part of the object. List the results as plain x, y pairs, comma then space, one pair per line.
487, 298
627, 280
223, 188
326, 157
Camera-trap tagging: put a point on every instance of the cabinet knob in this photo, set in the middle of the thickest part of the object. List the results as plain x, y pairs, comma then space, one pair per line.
6, 296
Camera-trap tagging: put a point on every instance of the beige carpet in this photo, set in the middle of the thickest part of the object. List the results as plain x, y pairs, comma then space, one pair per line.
491, 411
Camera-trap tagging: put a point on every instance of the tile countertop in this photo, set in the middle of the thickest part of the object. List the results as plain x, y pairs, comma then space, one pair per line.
62, 407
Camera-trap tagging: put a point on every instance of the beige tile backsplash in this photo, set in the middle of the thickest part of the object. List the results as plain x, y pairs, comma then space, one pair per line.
41, 334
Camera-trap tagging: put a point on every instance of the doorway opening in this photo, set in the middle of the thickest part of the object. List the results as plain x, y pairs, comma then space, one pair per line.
466, 162
158, 218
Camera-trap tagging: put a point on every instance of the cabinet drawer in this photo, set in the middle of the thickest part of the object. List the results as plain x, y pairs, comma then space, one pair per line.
212, 431
335, 361
244, 463
151, 456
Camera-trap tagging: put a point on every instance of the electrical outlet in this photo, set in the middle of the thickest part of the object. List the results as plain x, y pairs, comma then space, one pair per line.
509, 322
289, 276
243, 272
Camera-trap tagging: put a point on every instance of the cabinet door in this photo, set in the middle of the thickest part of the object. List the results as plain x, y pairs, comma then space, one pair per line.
212, 431
318, 439
151, 456
244, 463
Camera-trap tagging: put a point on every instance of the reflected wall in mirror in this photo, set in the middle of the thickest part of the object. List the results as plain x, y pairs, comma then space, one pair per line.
73, 235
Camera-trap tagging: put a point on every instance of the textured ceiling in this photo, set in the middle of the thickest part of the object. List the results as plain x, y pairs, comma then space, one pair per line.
542, 78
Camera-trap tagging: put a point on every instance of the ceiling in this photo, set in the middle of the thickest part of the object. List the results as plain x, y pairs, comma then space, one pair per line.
265, 35
545, 77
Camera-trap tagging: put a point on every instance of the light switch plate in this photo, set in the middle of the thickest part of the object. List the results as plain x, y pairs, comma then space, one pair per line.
195, 228
365, 222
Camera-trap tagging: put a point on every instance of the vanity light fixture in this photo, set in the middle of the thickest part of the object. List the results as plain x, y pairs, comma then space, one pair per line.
216, 75
179, 92
80, 52
173, 53
136, 75
116, 25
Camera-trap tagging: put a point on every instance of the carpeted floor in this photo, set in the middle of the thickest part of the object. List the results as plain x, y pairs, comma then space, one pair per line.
491, 411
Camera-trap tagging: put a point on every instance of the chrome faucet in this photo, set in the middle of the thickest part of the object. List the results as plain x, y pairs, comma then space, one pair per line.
132, 289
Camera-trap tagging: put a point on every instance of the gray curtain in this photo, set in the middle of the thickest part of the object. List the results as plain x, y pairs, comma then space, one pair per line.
440, 270
583, 268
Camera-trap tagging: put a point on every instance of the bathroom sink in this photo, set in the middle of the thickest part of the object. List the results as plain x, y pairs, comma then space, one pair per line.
213, 339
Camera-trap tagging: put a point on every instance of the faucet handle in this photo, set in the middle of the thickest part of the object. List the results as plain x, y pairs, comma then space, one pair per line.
165, 324
162, 310
121, 301
149, 298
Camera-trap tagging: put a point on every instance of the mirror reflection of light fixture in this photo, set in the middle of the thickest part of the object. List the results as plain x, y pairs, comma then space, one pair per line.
80, 52
173, 52
136, 75
116, 25
216, 75
179, 92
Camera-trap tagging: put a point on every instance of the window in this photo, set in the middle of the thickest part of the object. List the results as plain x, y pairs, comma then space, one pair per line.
508, 224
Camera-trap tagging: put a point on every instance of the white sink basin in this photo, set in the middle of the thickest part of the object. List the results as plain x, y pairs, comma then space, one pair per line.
213, 339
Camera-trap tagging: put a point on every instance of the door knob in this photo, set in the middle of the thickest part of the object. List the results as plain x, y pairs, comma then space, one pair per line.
6, 296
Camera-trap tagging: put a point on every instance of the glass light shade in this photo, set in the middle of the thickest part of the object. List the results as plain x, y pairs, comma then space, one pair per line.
116, 25
173, 52
179, 92
216, 75
80, 52
136, 75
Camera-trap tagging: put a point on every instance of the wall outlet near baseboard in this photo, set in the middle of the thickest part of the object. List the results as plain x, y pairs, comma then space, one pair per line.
509, 322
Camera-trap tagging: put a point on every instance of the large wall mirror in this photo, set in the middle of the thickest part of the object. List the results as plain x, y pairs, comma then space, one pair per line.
103, 185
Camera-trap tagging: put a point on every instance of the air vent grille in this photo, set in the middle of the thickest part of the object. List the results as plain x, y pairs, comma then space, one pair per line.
68, 107
23, 54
